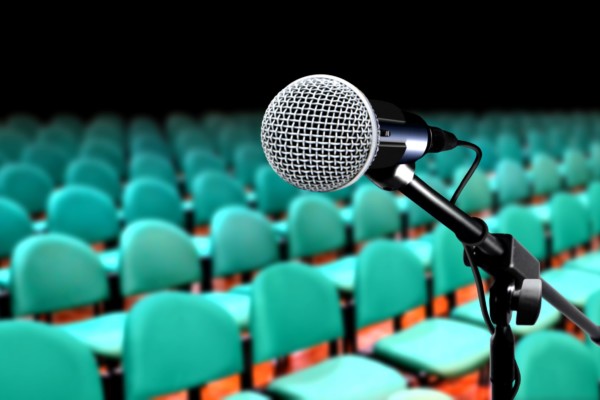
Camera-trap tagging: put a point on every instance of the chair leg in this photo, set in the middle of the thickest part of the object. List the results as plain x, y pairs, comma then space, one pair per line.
116, 301
194, 393
350, 339
429, 289
247, 375
484, 375
4, 304
207, 276
113, 382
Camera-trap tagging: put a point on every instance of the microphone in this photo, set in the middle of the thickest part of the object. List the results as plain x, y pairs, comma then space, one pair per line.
320, 133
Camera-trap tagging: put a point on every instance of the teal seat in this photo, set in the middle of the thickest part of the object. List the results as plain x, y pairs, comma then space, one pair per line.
24, 123
555, 365
290, 317
48, 157
191, 138
508, 146
148, 165
146, 143
569, 223
242, 241
196, 161
446, 162
576, 285
16, 225
95, 173
488, 149
247, 158
536, 142
39, 361
152, 198
375, 214
165, 353
26, 184
575, 169
176, 122
56, 272
594, 160
315, 227
12, 143
386, 268
511, 182
83, 212
341, 195
419, 394
212, 190
60, 135
105, 150
544, 175
273, 194
157, 255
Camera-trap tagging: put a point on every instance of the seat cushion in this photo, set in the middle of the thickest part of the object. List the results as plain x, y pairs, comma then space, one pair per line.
471, 312
203, 246
245, 289
110, 260
247, 395
576, 285
347, 214
349, 377
280, 228
438, 346
341, 273
103, 334
419, 394
236, 305
589, 262
40, 226
4, 278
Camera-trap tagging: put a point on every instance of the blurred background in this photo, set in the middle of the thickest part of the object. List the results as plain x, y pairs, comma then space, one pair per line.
122, 176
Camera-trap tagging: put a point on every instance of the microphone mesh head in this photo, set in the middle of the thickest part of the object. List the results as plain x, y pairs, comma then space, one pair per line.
320, 133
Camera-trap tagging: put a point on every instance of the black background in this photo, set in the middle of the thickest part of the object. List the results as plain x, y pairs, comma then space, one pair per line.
194, 76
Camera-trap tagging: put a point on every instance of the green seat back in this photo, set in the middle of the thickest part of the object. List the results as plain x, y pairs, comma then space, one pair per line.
569, 223
143, 124
593, 193
293, 307
314, 226
176, 122
15, 226
390, 280
273, 194
476, 196
594, 160
555, 365
156, 255
536, 142
575, 168
110, 130
212, 190
247, 158
95, 173
449, 270
545, 176
488, 158
512, 183
152, 144
343, 195
83, 212
12, 143
242, 240
41, 361
54, 272
50, 158
26, 184
24, 123
70, 122
150, 165
152, 198
521, 222
446, 162
63, 137
197, 161
592, 310
508, 146
375, 214
191, 138
106, 151
176, 341
416, 215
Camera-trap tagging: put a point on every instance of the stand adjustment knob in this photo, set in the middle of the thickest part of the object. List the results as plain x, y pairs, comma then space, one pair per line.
527, 301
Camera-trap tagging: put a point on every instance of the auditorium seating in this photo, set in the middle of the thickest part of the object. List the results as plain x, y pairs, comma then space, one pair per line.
190, 204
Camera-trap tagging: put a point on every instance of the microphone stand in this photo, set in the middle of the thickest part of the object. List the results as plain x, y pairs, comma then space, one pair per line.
517, 284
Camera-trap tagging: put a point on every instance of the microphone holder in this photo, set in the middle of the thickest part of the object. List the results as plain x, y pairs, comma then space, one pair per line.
517, 284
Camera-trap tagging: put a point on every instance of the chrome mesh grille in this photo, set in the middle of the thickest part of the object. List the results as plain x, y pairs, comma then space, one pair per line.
319, 133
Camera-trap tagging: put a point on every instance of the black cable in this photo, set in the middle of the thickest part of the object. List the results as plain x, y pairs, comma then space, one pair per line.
471, 170
480, 291
474, 268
